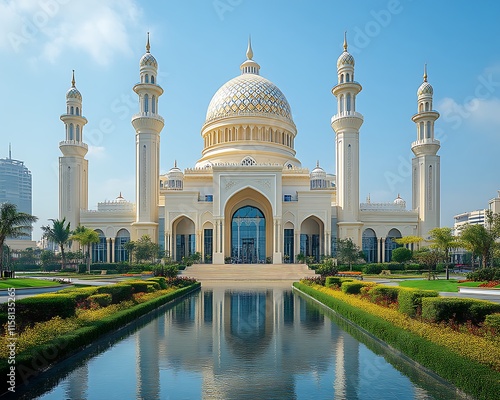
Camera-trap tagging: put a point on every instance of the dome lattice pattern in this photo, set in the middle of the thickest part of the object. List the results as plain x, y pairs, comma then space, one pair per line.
248, 94
73, 93
148, 59
425, 88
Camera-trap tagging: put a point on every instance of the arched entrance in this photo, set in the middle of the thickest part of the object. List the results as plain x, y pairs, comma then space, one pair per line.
390, 244
311, 232
257, 218
248, 236
185, 238
369, 245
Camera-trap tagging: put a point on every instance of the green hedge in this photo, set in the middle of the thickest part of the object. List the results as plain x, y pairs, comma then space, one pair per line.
333, 280
30, 363
143, 286
79, 294
493, 321
102, 300
372, 269
160, 280
470, 376
354, 287
43, 307
381, 293
410, 300
119, 292
459, 310
485, 274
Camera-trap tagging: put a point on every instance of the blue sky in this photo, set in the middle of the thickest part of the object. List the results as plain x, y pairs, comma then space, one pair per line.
199, 45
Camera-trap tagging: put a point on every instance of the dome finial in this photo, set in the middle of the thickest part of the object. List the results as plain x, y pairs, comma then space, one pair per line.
345, 41
317, 163
425, 72
73, 79
249, 49
147, 45
175, 163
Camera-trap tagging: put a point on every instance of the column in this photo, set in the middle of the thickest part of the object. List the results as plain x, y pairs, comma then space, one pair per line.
383, 249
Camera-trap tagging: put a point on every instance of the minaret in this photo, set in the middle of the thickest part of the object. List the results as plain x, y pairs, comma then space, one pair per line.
425, 164
73, 167
148, 125
346, 124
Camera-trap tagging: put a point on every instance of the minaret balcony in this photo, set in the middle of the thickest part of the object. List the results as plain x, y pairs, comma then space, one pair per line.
147, 88
426, 146
425, 115
344, 87
347, 120
148, 120
73, 148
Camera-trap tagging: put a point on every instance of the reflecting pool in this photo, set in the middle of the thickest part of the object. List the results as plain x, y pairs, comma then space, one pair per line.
234, 341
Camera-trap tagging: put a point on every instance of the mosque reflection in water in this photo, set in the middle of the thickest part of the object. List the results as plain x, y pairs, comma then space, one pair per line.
239, 343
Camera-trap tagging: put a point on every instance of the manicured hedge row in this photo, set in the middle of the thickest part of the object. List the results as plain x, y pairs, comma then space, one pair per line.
79, 294
410, 300
30, 363
355, 287
459, 310
380, 293
43, 307
160, 280
493, 321
102, 300
471, 376
119, 292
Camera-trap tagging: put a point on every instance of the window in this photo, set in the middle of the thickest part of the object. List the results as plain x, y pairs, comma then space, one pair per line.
152, 79
72, 110
71, 132
153, 104
348, 102
248, 161
77, 111
146, 103
347, 77
78, 133
146, 78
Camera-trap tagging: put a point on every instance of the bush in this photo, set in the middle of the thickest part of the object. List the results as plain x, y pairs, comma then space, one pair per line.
333, 281
412, 267
167, 271
355, 287
44, 307
143, 286
393, 266
102, 300
383, 294
327, 268
160, 280
493, 321
373, 269
79, 294
410, 300
119, 292
484, 274
457, 310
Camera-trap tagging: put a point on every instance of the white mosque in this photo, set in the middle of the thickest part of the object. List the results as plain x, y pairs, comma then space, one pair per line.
248, 199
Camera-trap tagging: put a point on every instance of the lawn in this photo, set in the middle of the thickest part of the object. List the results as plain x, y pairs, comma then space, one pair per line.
441, 285
25, 283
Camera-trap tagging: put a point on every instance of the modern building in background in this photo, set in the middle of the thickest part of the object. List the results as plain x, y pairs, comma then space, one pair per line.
248, 199
15, 185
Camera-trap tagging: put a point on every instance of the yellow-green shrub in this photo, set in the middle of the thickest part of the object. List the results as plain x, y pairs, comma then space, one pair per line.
410, 300
355, 287
101, 300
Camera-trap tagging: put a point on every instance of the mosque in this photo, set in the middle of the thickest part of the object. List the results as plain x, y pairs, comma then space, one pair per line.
248, 199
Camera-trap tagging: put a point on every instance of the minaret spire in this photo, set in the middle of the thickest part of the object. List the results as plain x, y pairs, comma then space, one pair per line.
73, 79
425, 72
345, 41
147, 45
249, 49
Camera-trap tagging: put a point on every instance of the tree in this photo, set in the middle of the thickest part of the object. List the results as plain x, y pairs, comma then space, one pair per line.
59, 233
86, 237
348, 252
409, 240
13, 224
429, 258
145, 249
442, 239
477, 240
401, 255
130, 246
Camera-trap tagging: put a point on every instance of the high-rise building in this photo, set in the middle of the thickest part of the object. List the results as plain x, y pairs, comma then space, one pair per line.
15, 185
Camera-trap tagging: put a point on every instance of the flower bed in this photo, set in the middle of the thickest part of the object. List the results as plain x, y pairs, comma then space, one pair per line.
45, 343
470, 362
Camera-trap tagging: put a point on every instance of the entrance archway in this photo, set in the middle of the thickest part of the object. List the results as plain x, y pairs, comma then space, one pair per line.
248, 236
259, 218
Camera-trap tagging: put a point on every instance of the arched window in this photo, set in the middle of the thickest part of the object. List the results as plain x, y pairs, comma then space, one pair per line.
248, 236
99, 250
341, 103
348, 102
341, 78
78, 133
146, 103
369, 245
347, 77
248, 161
153, 104
122, 237
390, 244
77, 111
426, 106
72, 110
71, 132
152, 79
421, 131
428, 131
421, 107
147, 78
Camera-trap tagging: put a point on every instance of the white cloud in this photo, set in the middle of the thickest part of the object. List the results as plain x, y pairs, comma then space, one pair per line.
96, 152
45, 29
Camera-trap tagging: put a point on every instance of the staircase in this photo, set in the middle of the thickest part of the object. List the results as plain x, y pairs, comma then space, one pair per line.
248, 272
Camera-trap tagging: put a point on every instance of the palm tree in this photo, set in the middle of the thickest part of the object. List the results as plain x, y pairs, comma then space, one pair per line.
442, 239
85, 237
59, 233
13, 224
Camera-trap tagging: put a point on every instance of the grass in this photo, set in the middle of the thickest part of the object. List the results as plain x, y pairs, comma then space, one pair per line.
19, 283
441, 285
